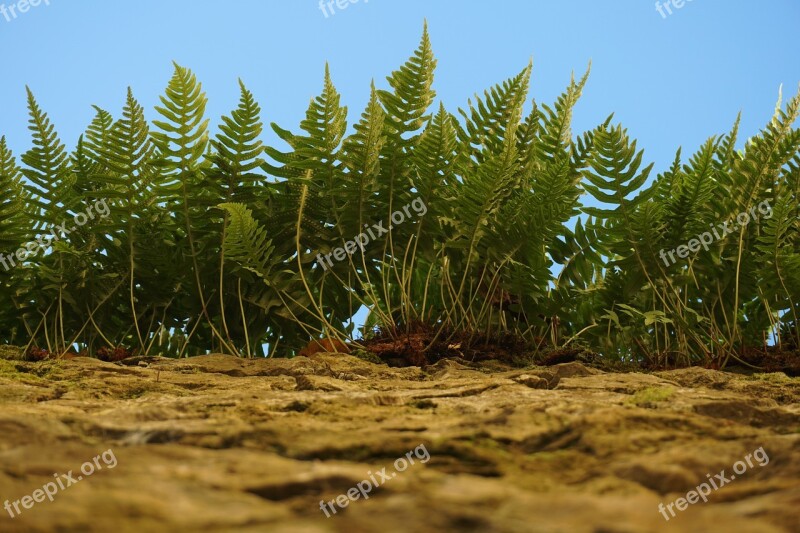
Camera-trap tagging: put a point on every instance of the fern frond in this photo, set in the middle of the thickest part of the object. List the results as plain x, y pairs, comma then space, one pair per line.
246, 242
47, 170
182, 137
412, 93
492, 119
12, 221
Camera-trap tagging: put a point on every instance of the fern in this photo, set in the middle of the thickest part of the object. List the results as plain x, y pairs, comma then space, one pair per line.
12, 222
47, 170
213, 242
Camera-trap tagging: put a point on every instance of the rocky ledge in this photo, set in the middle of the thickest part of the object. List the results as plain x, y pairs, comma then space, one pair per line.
217, 443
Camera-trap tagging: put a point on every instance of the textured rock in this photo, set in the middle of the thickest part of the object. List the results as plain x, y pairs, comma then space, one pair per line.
216, 443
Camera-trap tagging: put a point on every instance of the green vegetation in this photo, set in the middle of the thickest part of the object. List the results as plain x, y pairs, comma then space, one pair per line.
368, 356
772, 377
651, 395
213, 240
11, 352
31, 373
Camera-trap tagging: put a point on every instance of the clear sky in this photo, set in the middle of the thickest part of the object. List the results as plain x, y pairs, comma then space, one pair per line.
671, 80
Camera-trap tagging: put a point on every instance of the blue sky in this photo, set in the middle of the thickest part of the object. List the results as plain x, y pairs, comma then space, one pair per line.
671, 80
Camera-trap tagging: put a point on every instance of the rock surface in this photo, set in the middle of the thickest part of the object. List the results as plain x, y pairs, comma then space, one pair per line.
217, 443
